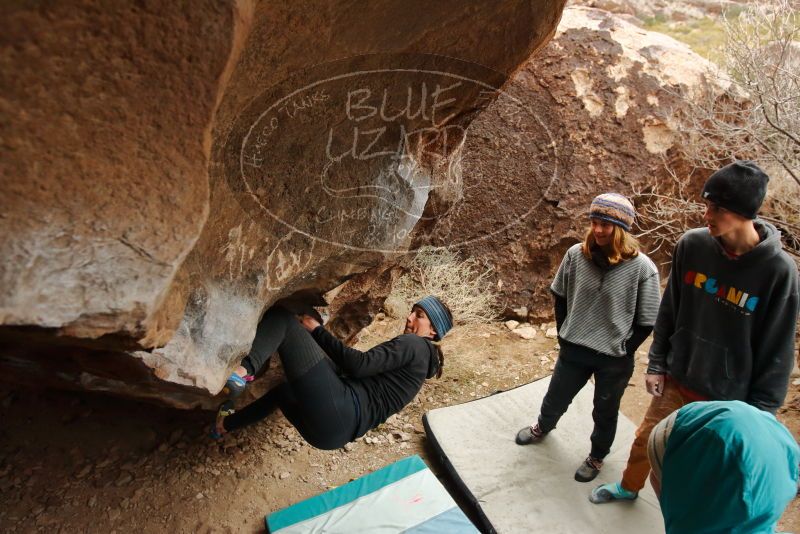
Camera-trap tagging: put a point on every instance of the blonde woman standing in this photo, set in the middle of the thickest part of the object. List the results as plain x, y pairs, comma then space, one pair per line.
606, 299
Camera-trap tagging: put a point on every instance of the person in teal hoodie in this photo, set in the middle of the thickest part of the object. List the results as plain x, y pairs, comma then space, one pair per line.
723, 467
726, 325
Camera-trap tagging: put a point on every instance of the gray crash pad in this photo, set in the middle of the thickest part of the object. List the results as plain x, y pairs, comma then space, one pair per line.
531, 488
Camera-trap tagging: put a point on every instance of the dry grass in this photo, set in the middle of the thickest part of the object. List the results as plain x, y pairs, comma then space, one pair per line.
665, 211
463, 284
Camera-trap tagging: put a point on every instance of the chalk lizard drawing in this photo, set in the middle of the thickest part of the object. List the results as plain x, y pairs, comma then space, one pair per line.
237, 251
282, 265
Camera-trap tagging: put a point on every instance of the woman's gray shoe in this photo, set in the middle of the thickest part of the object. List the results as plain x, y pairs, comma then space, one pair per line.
530, 434
589, 469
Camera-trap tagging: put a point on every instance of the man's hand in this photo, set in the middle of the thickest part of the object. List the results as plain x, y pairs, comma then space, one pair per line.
655, 384
308, 322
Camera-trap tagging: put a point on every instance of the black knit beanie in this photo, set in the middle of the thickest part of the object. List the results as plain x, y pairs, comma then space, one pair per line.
739, 187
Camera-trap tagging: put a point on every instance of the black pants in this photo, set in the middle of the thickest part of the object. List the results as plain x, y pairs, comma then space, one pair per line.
314, 398
574, 367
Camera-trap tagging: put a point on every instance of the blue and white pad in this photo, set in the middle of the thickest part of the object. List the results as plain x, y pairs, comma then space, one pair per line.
402, 497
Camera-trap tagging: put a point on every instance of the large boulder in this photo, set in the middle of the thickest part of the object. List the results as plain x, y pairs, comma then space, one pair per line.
593, 113
171, 173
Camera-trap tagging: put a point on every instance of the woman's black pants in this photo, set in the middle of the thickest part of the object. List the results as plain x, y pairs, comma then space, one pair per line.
574, 367
314, 398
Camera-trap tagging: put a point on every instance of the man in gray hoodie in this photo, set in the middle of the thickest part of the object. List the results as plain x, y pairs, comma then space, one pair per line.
726, 325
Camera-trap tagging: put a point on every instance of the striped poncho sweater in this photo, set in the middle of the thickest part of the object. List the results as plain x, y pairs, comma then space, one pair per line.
604, 304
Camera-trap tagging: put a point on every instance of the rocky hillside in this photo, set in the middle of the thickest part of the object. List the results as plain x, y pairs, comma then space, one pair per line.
591, 113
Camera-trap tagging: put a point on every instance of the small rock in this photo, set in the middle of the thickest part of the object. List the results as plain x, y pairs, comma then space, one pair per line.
124, 479
511, 324
521, 312
92, 501
164, 447
543, 327
284, 475
83, 472
348, 447
393, 420
796, 382
525, 332
199, 495
175, 436
402, 436
551, 333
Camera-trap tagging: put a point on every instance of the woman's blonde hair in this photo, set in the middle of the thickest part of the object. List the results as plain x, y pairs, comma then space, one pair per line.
623, 246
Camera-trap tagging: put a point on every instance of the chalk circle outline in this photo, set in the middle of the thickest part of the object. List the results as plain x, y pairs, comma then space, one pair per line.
500, 93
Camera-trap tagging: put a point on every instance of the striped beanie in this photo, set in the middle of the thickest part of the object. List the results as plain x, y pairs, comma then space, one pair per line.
440, 318
614, 208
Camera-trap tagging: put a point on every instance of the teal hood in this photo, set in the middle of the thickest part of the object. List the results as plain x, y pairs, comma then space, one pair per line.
728, 468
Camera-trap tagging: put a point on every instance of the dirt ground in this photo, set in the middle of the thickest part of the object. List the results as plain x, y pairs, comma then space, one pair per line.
86, 463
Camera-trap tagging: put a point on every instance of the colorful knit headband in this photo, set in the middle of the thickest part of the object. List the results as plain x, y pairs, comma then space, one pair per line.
614, 208
438, 315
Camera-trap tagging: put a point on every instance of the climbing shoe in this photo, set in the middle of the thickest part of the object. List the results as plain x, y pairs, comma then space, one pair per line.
611, 492
225, 409
530, 434
235, 385
589, 469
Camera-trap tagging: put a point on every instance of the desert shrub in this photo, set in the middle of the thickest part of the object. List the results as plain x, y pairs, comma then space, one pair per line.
665, 211
463, 284
757, 118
